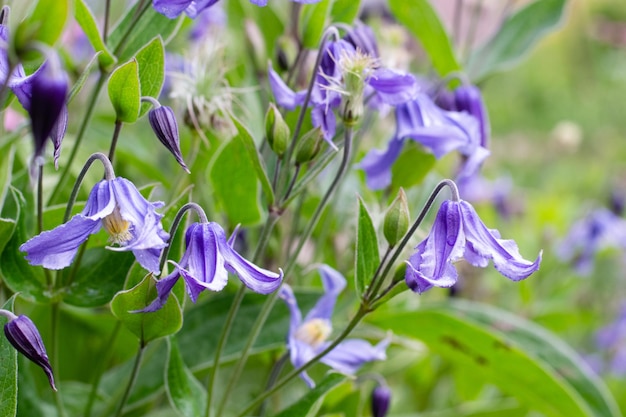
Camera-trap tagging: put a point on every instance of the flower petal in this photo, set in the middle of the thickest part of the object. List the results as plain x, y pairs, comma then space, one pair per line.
171, 8
487, 244
334, 283
348, 356
284, 96
377, 164
393, 87
164, 288
203, 264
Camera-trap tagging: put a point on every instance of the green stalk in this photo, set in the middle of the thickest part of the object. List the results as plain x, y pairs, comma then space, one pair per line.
54, 353
132, 379
106, 352
116, 135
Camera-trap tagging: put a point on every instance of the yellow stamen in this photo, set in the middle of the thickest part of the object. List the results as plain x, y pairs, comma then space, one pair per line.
117, 227
314, 332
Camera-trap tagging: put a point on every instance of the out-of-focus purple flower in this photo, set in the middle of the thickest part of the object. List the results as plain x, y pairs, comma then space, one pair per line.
173, 8
307, 338
22, 333
381, 398
130, 220
346, 75
163, 122
476, 189
205, 265
361, 37
439, 130
612, 339
468, 98
42, 94
459, 233
207, 21
599, 230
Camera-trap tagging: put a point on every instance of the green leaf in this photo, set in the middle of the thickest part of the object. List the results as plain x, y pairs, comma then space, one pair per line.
234, 179
8, 370
82, 79
44, 24
419, 17
85, 18
345, 11
304, 404
313, 22
151, 61
18, 275
246, 139
367, 256
125, 92
146, 326
519, 357
186, 394
518, 34
411, 167
142, 30
100, 275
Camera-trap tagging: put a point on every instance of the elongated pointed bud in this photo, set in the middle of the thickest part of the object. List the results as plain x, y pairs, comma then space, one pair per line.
22, 333
381, 398
309, 146
163, 122
276, 130
397, 219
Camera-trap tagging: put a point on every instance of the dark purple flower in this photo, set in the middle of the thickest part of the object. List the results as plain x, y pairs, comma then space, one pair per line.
346, 75
42, 94
381, 397
25, 338
163, 122
205, 265
459, 233
307, 338
599, 230
131, 221
439, 130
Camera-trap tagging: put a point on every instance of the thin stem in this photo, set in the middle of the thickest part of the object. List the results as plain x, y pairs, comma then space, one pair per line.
106, 353
105, 27
109, 174
54, 353
276, 370
377, 279
271, 221
292, 182
276, 171
132, 379
40, 200
141, 9
79, 138
116, 135
355, 320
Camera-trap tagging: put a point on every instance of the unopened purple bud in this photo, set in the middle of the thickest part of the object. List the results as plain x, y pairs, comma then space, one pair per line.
362, 37
49, 90
468, 98
381, 398
25, 338
163, 122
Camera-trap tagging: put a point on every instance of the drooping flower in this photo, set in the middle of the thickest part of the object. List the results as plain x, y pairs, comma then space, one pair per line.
42, 94
205, 265
439, 130
308, 337
599, 230
346, 75
22, 333
164, 124
115, 204
459, 233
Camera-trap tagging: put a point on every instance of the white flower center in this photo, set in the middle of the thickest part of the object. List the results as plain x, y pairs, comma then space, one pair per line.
314, 332
117, 227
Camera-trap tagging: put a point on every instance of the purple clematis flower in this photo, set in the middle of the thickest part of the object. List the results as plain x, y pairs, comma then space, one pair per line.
206, 263
612, 338
48, 115
22, 333
346, 75
459, 233
599, 230
131, 221
307, 337
173, 8
439, 130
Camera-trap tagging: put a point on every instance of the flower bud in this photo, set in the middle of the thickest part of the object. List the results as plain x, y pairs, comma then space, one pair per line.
25, 338
163, 122
381, 397
309, 146
48, 92
468, 98
397, 219
276, 131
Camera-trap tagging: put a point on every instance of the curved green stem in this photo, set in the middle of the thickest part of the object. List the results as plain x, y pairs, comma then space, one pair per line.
106, 353
116, 135
271, 381
132, 379
378, 279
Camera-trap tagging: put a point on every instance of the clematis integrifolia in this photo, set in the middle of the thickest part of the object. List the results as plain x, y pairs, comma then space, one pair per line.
114, 204
22, 333
173, 8
165, 127
308, 337
459, 233
207, 260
